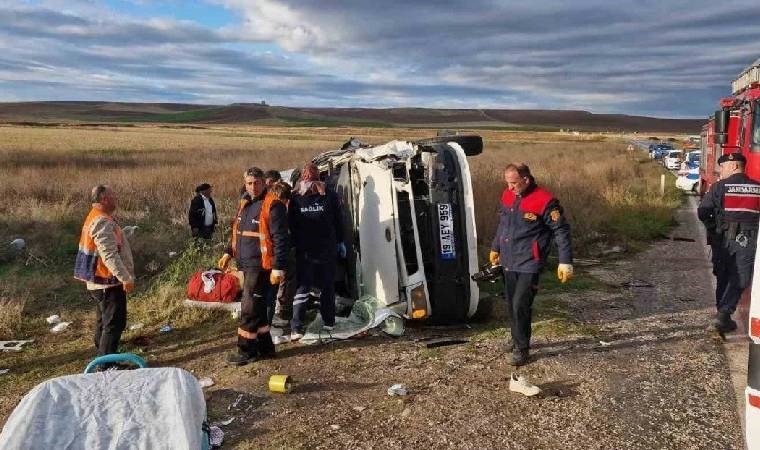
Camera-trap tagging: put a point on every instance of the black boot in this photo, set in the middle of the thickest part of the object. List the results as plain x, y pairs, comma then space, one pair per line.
266, 346
240, 359
724, 323
520, 357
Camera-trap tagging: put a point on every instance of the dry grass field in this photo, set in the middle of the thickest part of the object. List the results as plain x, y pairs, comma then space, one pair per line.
611, 198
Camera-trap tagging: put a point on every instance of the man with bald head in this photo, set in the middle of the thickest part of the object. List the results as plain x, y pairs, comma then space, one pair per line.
104, 263
529, 218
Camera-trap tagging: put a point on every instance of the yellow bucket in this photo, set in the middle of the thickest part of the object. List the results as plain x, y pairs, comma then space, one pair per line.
280, 384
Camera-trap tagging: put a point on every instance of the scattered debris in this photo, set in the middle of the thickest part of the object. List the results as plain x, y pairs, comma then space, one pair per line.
604, 343
173, 254
224, 423
398, 389
206, 382
216, 436
4, 371
60, 327
54, 319
359, 408
166, 329
520, 384
637, 283
236, 402
13, 346
615, 249
18, 244
441, 342
135, 326
335, 427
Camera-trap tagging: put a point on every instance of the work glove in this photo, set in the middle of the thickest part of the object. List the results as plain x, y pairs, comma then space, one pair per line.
564, 272
224, 261
277, 276
341, 249
493, 257
128, 287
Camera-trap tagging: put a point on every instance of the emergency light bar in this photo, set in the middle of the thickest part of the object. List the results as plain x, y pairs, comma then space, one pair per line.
748, 77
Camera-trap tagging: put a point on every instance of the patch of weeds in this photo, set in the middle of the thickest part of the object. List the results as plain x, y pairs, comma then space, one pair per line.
429, 353
491, 333
563, 326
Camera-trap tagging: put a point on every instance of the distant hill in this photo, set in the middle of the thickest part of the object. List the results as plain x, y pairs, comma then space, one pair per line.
251, 113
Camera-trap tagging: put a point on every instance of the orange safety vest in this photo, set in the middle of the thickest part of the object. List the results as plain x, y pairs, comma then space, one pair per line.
266, 244
89, 265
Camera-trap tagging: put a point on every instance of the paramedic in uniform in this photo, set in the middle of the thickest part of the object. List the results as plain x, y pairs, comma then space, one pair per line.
314, 215
529, 217
259, 244
730, 211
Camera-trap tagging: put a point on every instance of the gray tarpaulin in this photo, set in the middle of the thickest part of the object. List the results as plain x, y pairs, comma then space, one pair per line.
161, 408
367, 312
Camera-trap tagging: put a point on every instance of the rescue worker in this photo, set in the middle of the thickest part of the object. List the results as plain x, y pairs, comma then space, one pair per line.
104, 262
202, 213
730, 212
259, 244
314, 215
271, 177
529, 217
281, 299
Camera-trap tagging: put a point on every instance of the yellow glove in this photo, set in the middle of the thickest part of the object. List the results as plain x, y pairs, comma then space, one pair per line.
494, 258
277, 276
224, 261
564, 272
128, 287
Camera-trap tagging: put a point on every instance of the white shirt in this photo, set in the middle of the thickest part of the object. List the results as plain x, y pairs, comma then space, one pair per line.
208, 217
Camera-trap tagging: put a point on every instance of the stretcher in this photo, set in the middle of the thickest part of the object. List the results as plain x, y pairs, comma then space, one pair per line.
145, 408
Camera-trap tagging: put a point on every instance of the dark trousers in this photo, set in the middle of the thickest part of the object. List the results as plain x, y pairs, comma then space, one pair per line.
319, 273
253, 332
203, 232
733, 266
519, 291
111, 318
280, 299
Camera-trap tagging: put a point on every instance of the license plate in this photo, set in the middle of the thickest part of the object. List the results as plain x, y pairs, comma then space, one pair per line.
446, 231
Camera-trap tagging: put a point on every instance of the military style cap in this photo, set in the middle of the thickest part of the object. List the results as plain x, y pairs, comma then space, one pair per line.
732, 157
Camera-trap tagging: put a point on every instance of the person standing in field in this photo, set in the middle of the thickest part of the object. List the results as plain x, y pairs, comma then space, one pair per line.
730, 212
104, 262
202, 213
314, 215
259, 243
529, 217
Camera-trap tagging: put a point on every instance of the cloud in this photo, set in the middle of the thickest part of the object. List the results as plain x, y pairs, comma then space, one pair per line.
631, 56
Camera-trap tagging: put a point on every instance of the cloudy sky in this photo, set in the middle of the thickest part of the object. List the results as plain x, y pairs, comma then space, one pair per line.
670, 58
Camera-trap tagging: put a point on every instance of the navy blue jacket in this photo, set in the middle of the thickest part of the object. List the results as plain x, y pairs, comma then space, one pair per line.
316, 224
733, 199
527, 223
248, 249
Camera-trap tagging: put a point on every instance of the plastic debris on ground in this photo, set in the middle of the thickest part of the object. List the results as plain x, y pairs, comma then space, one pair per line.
206, 382
335, 427
398, 389
18, 244
60, 327
4, 371
520, 384
14, 346
367, 313
604, 343
216, 436
224, 423
172, 254
165, 329
54, 319
135, 326
359, 408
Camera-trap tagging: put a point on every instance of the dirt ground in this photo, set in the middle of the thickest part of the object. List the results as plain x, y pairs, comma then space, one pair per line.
651, 375
642, 371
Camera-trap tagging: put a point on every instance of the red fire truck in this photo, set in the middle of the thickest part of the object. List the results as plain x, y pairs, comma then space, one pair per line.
735, 127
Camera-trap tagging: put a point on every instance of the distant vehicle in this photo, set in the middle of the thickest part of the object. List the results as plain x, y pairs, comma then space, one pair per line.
692, 159
657, 151
672, 159
689, 181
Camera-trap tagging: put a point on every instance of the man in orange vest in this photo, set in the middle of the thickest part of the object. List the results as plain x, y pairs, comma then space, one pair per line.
260, 245
104, 262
